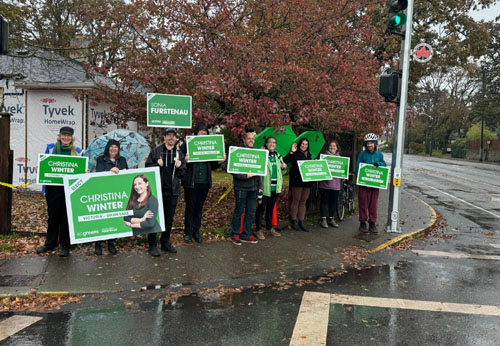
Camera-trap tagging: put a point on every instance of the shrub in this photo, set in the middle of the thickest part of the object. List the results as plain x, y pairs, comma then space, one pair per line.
459, 148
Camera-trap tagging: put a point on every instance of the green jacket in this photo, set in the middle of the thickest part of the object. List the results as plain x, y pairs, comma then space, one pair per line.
265, 181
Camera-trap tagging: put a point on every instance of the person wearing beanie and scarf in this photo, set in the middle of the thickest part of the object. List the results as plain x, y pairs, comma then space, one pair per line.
110, 160
57, 226
196, 184
368, 196
172, 168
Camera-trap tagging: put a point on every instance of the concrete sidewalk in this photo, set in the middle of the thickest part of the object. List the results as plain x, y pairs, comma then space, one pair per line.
294, 255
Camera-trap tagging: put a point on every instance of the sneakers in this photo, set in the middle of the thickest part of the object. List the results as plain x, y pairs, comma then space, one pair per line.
323, 223
250, 239
362, 227
331, 222
373, 227
260, 234
275, 233
168, 247
302, 226
98, 249
153, 251
236, 240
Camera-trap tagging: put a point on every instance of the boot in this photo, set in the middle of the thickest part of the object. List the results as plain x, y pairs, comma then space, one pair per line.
331, 222
362, 227
168, 247
98, 249
153, 251
63, 251
112, 248
294, 225
302, 226
372, 228
324, 224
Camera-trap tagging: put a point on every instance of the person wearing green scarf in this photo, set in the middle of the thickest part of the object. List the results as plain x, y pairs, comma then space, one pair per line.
57, 227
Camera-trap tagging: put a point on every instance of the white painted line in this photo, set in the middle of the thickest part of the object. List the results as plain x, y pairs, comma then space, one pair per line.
495, 245
14, 324
473, 309
456, 255
311, 326
495, 199
464, 201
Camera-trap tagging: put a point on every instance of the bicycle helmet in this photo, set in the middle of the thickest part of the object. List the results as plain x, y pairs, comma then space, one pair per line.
371, 137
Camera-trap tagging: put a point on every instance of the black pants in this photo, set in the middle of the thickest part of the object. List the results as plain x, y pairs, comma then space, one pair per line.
58, 219
329, 200
195, 198
169, 205
267, 205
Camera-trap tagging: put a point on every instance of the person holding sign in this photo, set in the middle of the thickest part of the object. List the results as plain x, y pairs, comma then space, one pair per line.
368, 196
110, 160
196, 184
172, 168
271, 184
330, 192
145, 207
300, 189
246, 187
57, 226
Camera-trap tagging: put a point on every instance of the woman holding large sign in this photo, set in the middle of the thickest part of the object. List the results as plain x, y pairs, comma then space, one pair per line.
330, 192
300, 189
56, 203
271, 185
145, 207
110, 160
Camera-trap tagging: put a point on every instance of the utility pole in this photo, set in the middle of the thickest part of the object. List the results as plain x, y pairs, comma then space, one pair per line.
393, 224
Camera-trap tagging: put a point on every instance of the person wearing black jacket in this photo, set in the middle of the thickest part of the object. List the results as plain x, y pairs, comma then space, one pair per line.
246, 187
172, 168
110, 160
196, 183
300, 189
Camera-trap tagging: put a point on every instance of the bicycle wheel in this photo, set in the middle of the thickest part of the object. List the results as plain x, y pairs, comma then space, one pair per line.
341, 205
351, 200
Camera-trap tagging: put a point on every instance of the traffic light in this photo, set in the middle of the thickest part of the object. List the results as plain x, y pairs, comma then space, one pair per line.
389, 86
396, 17
4, 35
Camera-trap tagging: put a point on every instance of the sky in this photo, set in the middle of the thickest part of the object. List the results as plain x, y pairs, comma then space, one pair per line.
488, 14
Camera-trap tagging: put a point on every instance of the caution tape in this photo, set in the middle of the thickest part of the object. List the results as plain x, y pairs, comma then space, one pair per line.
222, 197
14, 186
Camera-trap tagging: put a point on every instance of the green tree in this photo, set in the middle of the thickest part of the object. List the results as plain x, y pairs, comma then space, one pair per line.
474, 133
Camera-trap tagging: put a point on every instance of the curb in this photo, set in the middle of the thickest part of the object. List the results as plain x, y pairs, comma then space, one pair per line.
413, 235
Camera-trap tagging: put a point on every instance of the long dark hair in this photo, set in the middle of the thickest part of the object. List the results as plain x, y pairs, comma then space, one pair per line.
134, 195
300, 143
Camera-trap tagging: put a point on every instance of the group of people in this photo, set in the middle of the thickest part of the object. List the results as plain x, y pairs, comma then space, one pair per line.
255, 196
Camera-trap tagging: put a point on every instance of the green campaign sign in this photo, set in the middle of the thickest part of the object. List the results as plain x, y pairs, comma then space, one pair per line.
52, 168
166, 110
314, 170
245, 160
106, 205
373, 177
339, 166
205, 148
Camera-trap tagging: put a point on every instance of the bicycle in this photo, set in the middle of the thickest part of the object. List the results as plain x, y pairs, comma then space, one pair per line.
346, 200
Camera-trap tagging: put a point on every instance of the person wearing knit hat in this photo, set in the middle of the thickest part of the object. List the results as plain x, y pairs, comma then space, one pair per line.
110, 160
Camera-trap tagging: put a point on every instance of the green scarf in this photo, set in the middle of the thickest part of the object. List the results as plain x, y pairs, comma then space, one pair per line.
60, 149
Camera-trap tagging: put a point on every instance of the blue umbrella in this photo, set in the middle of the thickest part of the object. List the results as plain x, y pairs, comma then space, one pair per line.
133, 147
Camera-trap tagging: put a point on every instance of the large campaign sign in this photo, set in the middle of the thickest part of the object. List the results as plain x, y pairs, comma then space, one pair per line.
314, 170
165, 110
370, 176
205, 148
106, 205
245, 160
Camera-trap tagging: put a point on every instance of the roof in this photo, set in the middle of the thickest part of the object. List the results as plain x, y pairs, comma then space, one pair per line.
41, 69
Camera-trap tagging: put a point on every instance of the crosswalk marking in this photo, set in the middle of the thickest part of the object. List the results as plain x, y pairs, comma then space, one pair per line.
456, 255
495, 245
14, 324
312, 322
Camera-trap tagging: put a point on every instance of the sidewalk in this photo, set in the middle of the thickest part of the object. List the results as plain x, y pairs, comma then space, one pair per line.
297, 255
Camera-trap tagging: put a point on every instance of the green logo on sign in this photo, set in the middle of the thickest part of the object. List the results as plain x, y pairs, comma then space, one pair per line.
166, 110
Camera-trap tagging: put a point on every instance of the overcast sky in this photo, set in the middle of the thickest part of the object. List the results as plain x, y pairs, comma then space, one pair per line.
488, 14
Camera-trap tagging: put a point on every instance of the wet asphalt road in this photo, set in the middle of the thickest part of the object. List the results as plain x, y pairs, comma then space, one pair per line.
465, 194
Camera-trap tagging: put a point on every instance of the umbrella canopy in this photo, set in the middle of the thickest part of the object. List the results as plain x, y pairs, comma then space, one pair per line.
316, 141
284, 138
133, 147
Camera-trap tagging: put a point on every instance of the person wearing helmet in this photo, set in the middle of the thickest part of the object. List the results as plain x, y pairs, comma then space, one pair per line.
368, 196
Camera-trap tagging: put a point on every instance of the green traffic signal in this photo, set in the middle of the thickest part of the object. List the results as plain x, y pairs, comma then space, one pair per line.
397, 20
396, 16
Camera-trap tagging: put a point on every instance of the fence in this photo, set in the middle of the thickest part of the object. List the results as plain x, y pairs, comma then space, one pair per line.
491, 150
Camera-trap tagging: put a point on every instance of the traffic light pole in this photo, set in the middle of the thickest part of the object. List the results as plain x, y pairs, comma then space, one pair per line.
393, 224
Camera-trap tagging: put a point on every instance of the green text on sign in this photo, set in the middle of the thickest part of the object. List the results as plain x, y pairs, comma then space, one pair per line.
314, 170
339, 166
52, 168
205, 148
373, 177
164, 110
246, 160
98, 204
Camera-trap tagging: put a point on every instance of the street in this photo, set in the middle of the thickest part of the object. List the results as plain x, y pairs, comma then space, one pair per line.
442, 289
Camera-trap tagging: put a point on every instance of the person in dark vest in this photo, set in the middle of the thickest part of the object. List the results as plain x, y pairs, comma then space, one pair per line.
57, 228
110, 160
172, 168
196, 184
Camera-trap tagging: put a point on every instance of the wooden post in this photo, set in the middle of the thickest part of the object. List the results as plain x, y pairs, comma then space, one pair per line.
5, 170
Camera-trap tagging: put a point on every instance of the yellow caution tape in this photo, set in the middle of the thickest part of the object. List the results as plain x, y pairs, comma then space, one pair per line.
14, 186
222, 197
